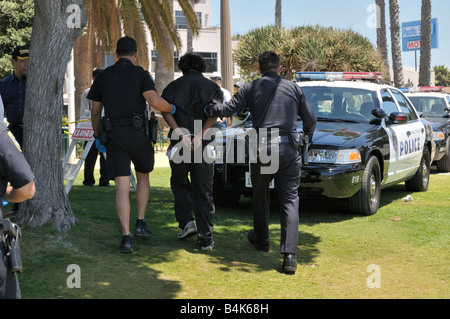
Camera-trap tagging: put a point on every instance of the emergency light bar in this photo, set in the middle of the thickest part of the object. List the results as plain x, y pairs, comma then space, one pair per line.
338, 76
439, 89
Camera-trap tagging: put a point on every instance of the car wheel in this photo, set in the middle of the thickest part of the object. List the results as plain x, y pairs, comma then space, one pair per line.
443, 165
367, 200
420, 180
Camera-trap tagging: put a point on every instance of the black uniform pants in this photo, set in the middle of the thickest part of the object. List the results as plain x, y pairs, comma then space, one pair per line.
287, 182
9, 284
89, 166
194, 194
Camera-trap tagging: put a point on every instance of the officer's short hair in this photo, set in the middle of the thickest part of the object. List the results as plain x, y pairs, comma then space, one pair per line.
191, 61
269, 61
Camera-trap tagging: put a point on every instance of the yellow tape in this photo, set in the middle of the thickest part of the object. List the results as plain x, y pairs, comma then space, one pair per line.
76, 122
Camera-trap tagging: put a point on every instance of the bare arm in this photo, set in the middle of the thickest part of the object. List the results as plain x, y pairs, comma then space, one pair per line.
157, 102
20, 194
96, 113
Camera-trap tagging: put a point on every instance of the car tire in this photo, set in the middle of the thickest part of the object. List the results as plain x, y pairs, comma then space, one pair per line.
443, 165
420, 180
367, 200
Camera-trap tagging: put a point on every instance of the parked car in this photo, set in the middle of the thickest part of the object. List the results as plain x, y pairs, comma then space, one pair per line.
368, 136
435, 108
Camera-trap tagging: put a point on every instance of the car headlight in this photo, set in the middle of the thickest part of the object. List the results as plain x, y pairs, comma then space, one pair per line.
438, 136
334, 156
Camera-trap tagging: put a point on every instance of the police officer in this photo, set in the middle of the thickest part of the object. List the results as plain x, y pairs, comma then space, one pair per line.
12, 90
123, 89
274, 103
15, 170
190, 93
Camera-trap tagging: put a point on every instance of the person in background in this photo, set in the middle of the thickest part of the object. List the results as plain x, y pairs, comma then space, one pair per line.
12, 90
91, 158
216, 77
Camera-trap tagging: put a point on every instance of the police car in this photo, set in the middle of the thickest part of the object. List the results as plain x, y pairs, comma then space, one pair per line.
435, 107
368, 136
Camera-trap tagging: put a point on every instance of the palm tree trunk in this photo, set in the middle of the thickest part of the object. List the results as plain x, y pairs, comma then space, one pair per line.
382, 39
425, 44
225, 45
52, 40
278, 13
395, 43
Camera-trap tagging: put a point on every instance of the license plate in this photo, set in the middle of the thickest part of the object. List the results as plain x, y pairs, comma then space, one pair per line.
248, 181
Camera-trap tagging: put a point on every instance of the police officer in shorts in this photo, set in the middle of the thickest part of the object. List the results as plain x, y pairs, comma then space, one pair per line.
123, 89
274, 103
15, 170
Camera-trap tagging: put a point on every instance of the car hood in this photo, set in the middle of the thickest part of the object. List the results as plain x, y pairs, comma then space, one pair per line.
336, 134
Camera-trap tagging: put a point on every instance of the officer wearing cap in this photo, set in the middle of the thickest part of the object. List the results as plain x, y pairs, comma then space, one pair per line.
274, 103
15, 170
123, 89
12, 90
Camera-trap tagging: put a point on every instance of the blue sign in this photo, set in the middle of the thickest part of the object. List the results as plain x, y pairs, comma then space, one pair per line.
411, 34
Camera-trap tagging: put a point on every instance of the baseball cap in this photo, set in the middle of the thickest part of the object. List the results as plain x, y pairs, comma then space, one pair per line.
21, 53
216, 75
127, 44
239, 84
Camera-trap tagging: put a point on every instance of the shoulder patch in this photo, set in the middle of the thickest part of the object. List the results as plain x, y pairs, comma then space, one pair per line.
11, 136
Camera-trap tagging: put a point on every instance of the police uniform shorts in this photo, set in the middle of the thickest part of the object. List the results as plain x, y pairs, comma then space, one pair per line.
126, 145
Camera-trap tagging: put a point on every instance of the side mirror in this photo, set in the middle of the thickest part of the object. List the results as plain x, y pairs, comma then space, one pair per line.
447, 112
379, 113
398, 118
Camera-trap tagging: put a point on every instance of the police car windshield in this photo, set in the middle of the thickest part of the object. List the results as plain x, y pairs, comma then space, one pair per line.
342, 104
430, 106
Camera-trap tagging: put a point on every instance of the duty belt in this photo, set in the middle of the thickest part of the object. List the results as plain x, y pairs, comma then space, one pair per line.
121, 122
274, 140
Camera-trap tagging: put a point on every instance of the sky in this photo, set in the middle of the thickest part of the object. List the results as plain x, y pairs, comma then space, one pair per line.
358, 15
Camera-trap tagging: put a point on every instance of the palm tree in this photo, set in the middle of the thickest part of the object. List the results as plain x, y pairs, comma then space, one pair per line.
190, 35
425, 44
108, 20
225, 45
395, 43
278, 13
382, 40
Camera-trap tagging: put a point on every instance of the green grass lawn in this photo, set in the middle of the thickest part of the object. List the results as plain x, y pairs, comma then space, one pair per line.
408, 242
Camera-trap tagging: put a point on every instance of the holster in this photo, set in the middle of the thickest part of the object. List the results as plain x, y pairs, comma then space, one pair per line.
104, 127
153, 127
10, 234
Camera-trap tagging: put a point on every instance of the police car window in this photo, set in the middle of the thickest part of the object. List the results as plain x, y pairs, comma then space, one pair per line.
405, 107
341, 104
389, 105
428, 105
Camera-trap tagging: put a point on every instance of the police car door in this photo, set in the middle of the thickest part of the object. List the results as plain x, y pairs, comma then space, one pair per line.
406, 140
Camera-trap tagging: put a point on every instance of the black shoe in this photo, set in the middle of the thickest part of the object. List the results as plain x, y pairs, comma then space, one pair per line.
289, 263
141, 229
126, 246
258, 245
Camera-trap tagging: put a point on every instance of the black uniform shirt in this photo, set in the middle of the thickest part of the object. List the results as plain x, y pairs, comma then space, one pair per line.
13, 166
190, 93
120, 88
288, 102
12, 91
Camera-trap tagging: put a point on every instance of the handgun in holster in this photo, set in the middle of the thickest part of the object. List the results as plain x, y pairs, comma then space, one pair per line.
304, 149
10, 238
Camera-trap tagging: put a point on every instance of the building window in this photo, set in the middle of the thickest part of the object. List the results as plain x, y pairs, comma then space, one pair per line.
181, 21
155, 58
210, 59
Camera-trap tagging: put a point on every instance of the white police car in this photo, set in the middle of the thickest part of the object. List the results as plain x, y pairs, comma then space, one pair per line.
434, 105
368, 136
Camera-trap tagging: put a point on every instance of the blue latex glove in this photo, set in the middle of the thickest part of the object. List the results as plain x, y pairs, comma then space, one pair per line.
99, 146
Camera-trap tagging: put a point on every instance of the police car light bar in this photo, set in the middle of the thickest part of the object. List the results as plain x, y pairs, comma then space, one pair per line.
439, 89
338, 76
